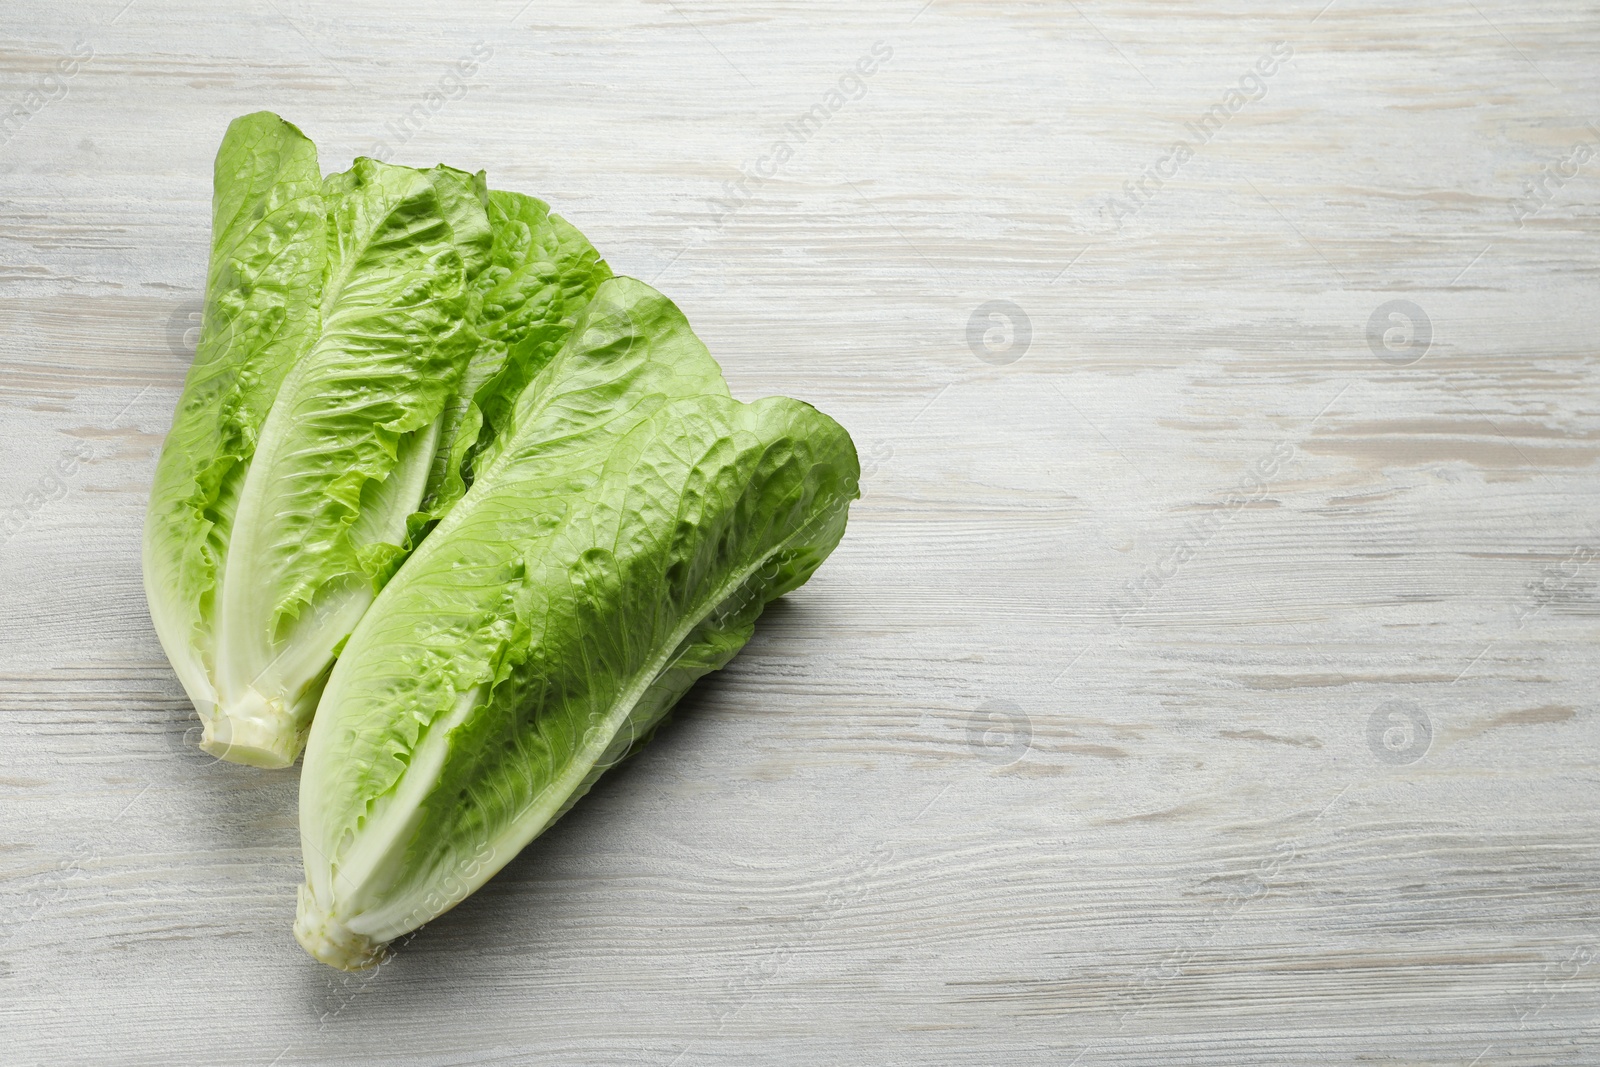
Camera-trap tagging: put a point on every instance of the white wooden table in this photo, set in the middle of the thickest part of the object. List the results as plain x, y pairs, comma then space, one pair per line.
1208, 675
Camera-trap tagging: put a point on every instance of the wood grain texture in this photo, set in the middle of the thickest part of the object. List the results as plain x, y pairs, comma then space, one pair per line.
1193, 686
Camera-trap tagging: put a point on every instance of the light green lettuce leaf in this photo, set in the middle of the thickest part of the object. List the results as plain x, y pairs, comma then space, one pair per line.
345, 452
263, 291
619, 540
541, 275
280, 508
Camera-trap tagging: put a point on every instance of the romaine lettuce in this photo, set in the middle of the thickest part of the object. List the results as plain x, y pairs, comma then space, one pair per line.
325, 407
622, 532
428, 433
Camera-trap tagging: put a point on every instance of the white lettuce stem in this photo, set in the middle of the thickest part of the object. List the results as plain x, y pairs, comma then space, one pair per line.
255, 731
330, 941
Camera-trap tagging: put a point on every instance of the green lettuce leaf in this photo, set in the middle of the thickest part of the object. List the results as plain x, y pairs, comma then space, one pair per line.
268, 254
622, 533
339, 322
542, 273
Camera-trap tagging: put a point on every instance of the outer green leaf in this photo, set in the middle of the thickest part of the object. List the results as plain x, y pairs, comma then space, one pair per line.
263, 290
345, 452
618, 543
